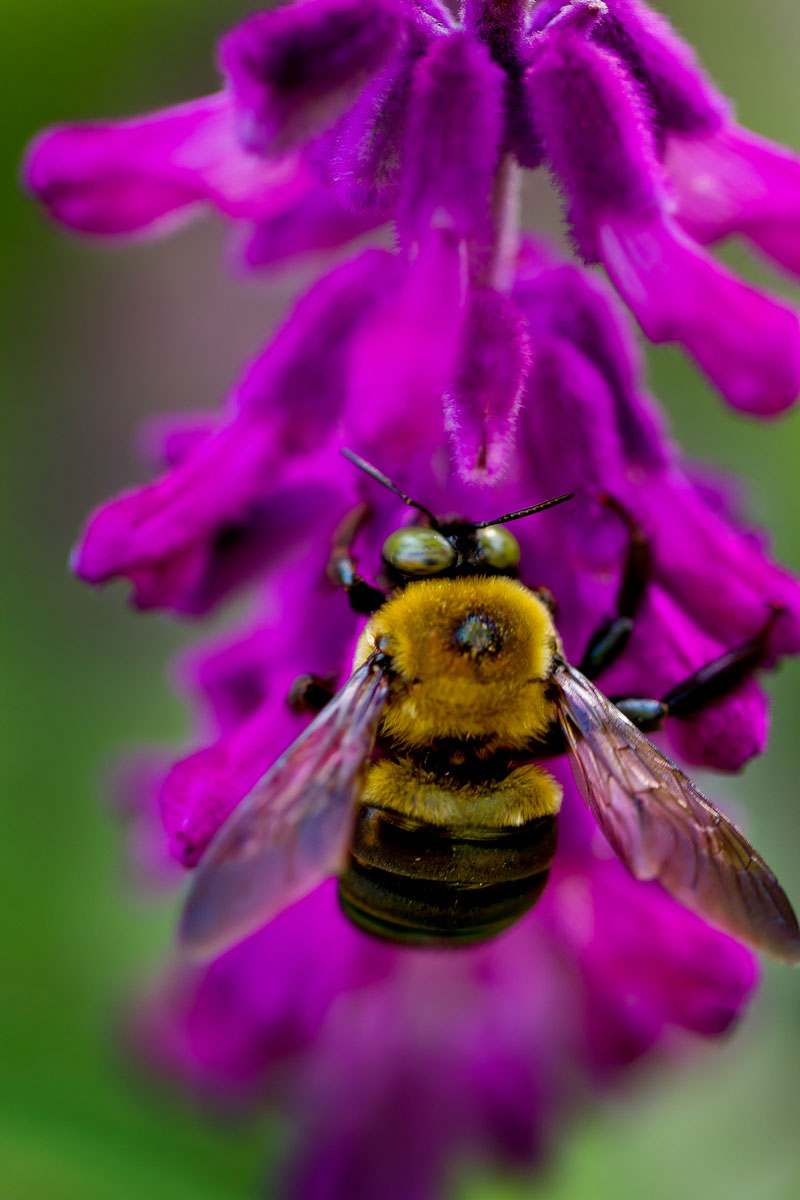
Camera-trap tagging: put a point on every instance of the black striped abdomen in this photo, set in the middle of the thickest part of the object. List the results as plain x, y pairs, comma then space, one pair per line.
421, 884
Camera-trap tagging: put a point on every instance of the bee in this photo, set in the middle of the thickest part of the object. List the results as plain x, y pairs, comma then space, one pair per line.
420, 783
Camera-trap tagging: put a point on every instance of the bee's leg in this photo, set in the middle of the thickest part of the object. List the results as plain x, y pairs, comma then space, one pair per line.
547, 598
309, 693
364, 598
723, 674
646, 715
708, 683
608, 642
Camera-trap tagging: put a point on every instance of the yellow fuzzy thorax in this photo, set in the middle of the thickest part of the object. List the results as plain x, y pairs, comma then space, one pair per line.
439, 690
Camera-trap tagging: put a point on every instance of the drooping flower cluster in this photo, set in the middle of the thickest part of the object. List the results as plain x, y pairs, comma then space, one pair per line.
468, 356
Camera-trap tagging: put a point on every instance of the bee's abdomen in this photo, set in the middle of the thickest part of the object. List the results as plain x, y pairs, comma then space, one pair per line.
422, 885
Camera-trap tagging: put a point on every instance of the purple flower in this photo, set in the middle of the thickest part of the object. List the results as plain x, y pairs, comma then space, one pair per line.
595, 129
171, 536
725, 179
400, 1062
340, 110
294, 68
483, 372
151, 174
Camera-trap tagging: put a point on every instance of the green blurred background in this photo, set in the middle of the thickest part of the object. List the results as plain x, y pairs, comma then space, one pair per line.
94, 341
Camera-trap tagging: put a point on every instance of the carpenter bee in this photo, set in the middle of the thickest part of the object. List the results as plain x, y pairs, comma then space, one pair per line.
420, 783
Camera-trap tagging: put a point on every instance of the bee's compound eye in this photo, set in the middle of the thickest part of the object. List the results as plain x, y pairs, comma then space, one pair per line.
497, 547
415, 551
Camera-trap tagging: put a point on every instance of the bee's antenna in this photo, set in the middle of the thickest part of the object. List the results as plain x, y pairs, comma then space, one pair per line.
525, 512
368, 469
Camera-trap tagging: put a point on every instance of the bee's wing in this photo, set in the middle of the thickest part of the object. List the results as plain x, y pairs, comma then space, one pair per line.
663, 828
293, 829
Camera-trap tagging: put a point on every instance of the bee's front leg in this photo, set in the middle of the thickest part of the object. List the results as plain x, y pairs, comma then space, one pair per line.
608, 642
364, 598
709, 682
723, 674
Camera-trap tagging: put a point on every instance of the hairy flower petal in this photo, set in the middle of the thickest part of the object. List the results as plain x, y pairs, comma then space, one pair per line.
200, 791
134, 789
317, 222
294, 69
483, 403
596, 134
361, 157
145, 174
164, 440
570, 431
683, 98
452, 140
500, 25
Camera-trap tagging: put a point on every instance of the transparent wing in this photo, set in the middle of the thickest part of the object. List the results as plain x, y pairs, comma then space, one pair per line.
293, 829
663, 828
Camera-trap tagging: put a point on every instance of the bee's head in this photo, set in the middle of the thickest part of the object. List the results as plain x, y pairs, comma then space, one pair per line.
419, 552
454, 547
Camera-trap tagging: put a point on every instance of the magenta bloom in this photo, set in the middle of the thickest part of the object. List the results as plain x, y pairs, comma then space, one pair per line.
483, 372
402, 1063
335, 118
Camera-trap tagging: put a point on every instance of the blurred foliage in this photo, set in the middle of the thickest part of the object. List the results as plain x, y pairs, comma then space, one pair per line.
92, 343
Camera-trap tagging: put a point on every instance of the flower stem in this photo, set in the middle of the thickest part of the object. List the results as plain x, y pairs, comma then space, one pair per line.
502, 257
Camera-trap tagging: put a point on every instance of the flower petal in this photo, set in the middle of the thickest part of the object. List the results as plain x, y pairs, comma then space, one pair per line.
221, 1029
202, 790
404, 358
245, 685
482, 406
317, 222
361, 157
293, 70
747, 342
499, 24
452, 141
134, 790
683, 98
287, 403
145, 174
732, 602
164, 441
388, 1086
563, 300
637, 984
734, 181
596, 133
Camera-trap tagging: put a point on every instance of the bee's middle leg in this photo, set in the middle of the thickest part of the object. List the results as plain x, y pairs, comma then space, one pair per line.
310, 693
364, 598
607, 643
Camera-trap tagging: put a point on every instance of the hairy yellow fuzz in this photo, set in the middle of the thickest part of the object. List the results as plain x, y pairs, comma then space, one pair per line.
449, 682
525, 794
